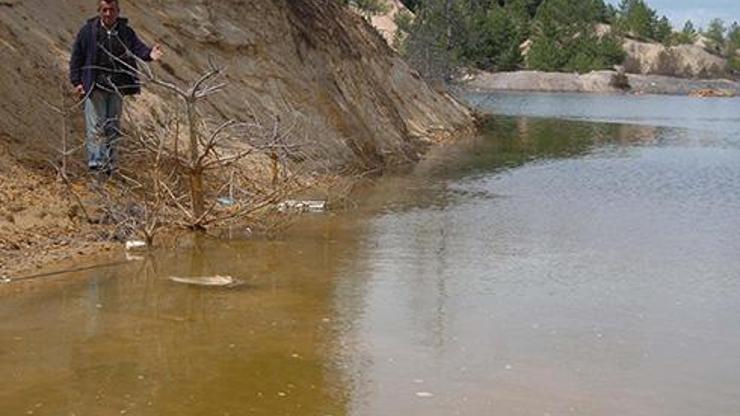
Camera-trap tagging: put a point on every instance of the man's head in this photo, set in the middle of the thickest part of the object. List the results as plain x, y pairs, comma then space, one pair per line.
109, 11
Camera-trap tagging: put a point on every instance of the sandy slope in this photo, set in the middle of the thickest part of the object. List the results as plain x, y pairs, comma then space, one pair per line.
312, 61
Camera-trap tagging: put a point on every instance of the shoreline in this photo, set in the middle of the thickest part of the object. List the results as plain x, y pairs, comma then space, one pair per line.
596, 82
52, 237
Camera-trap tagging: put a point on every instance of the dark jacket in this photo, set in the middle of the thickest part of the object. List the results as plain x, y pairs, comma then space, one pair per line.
84, 54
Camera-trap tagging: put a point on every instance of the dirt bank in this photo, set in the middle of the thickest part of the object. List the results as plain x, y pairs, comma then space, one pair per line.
38, 222
313, 62
593, 82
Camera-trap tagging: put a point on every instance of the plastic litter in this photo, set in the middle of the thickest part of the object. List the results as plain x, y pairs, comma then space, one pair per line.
213, 281
135, 244
308, 205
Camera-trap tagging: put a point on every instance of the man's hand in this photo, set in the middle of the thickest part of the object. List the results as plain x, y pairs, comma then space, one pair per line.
156, 53
80, 90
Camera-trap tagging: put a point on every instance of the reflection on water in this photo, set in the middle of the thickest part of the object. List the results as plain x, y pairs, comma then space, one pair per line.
130, 341
550, 267
719, 115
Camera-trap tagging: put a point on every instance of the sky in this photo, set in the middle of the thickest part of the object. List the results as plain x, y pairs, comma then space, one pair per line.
699, 11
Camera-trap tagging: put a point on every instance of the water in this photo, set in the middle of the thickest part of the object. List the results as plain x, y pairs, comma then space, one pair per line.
718, 115
551, 267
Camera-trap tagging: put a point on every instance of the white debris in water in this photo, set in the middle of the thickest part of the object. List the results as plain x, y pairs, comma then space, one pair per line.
99, 306
508, 366
424, 394
282, 394
418, 381
302, 205
215, 280
135, 244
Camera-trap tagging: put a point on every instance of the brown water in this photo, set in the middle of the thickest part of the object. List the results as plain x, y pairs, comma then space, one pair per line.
549, 268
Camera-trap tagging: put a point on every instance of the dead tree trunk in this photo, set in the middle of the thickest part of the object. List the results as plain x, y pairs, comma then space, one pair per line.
195, 171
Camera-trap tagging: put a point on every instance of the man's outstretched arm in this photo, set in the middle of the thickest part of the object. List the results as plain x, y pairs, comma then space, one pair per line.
142, 51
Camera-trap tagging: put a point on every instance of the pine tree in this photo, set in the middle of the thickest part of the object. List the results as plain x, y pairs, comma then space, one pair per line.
494, 44
635, 17
564, 39
716, 35
663, 30
733, 46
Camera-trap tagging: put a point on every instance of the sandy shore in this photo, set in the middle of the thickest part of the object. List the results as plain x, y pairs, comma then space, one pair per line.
593, 82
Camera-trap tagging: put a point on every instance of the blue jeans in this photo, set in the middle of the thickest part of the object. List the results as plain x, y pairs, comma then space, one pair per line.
102, 128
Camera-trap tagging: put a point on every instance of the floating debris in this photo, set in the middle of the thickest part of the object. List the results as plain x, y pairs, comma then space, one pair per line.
302, 205
205, 280
424, 394
225, 201
135, 245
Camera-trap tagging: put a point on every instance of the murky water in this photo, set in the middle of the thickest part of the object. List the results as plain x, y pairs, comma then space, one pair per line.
550, 268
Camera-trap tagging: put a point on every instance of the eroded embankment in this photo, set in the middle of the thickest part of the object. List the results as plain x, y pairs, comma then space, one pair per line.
309, 61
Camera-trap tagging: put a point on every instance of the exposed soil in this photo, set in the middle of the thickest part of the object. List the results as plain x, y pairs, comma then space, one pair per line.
309, 62
40, 223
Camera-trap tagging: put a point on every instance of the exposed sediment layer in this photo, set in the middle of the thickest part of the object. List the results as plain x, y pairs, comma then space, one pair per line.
593, 82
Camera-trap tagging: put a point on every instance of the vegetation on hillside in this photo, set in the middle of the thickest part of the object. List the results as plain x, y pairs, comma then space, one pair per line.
549, 35
368, 7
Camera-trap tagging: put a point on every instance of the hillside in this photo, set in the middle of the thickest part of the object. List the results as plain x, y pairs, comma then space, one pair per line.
312, 63
561, 36
313, 57
685, 61
385, 23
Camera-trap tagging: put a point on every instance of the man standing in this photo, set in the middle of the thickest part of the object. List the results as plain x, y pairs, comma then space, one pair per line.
102, 70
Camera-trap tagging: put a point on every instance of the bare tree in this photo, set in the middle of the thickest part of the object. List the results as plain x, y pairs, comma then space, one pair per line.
66, 148
196, 171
